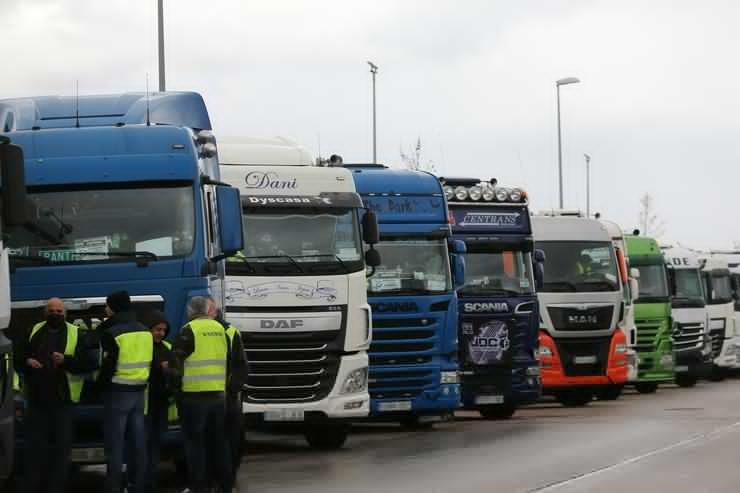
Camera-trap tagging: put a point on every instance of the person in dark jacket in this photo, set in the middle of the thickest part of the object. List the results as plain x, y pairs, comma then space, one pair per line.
159, 393
237, 378
128, 349
51, 361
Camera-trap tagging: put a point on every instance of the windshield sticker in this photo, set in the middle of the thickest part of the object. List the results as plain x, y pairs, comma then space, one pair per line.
436, 285
385, 283
161, 247
323, 290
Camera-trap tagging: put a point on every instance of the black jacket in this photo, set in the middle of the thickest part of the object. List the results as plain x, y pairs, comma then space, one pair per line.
119, 323
160, 381
49, 385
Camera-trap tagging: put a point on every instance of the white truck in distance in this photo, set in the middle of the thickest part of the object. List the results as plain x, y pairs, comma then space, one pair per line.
721, 311
297, 292
733, 262
692, 345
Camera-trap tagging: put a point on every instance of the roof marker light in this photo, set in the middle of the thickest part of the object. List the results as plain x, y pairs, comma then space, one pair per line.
461, 193
449, 192
502, 194
475, 193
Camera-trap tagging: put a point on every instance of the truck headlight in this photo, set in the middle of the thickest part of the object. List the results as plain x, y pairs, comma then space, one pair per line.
355, 382
533, 371
544, 351
449, 377
620, 348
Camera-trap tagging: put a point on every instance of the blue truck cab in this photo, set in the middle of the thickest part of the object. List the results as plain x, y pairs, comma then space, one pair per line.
123, 192
413, 354
498, 307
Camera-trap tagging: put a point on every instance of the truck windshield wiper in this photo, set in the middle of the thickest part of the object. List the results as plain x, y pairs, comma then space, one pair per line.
564, 284
290, 259
64, 228
142, 257
38, 259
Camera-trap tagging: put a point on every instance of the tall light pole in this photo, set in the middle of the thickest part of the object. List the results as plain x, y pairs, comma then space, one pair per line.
160, 32
588, 184
374, 71
558, 83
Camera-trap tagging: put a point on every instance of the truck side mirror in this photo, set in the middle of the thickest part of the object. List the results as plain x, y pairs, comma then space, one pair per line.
370, 232
372, 258
458, 265
673, 288
634, 288
13, 184
229, 220
539, 256
634, 273
458, 246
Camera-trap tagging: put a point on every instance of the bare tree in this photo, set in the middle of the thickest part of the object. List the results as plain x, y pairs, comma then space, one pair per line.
650, 223
412, 160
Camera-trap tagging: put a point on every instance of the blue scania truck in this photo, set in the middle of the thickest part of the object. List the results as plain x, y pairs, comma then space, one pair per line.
413, 354
123, 192
498, 308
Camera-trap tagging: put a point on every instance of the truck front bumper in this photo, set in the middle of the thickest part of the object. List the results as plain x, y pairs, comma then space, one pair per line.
335, 406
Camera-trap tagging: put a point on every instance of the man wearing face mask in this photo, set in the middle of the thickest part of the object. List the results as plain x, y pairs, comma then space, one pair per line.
52, 365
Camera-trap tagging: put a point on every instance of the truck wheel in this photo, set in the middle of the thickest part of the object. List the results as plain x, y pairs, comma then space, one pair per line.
610, 393
414, 422
718, 374
326, 437
685, 380
574, 398
503, 411
646, 387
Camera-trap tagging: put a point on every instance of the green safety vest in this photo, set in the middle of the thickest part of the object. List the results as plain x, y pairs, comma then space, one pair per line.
74, 382
135, 353
205, 369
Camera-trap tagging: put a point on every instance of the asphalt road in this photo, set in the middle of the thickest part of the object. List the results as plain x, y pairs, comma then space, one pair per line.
677, 440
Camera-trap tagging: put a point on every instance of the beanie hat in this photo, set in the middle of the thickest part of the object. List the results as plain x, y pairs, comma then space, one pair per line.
156, 317
119, 301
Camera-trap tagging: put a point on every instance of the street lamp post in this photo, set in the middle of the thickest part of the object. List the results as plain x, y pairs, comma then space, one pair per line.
588, 184
374, 71
160, 33
558, 83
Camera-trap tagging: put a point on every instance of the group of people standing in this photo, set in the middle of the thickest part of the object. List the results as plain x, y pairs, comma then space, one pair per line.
145, 382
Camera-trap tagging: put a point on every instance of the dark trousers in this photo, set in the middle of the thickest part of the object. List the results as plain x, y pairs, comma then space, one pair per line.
48, 433
124, 411
156, 425
235, 433
206, 448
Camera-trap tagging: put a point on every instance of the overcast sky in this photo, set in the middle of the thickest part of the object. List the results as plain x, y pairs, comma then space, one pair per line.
657, 108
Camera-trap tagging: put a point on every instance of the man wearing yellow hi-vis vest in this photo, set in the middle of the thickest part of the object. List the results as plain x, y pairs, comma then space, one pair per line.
51, 365
201, 351
124, 374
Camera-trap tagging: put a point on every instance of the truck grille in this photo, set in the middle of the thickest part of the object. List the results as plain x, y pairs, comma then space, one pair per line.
400, 341
718, 337
571, 350
648, 334
688, 336
594, 318
291, 367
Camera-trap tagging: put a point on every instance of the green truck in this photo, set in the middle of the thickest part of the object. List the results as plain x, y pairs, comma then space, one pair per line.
652, 314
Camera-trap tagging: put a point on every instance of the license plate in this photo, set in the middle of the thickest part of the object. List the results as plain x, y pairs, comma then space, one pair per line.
395, 406
285, 415
489, 399
87, 455
681, 369
585, 360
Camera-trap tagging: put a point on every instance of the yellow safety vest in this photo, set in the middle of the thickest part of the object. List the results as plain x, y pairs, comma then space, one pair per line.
135, 353
74, 382
205, 369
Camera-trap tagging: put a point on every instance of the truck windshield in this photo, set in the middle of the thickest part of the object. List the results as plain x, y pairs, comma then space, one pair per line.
719, 289
302, 241
653, 283
579, 266
495, 273
688, 284
105, 224
412, 266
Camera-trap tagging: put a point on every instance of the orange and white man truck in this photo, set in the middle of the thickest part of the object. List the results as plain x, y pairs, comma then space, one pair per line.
582, 350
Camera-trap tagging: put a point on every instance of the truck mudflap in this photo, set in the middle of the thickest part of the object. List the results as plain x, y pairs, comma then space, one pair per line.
583, 361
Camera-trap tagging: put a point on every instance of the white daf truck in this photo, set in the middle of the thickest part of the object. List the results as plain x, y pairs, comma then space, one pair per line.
692, 344
629, 278
582, 351
297, 292
721, 313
